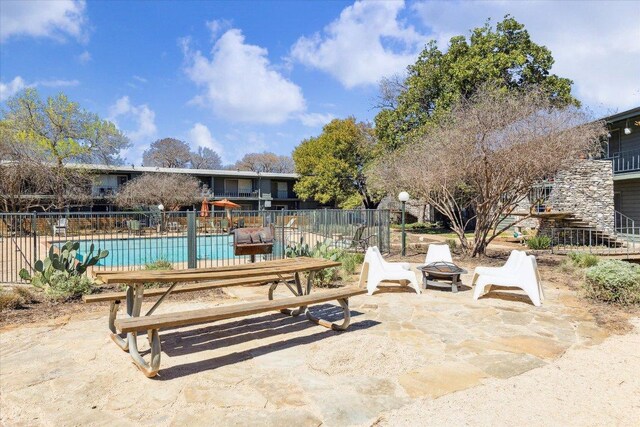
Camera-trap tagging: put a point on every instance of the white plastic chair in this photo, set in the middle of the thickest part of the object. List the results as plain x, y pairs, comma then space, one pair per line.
438, 253
511, 264
60, 227
376, 270
520, 271
390, 265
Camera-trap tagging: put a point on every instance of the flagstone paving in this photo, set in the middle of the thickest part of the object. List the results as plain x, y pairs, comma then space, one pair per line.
273, 370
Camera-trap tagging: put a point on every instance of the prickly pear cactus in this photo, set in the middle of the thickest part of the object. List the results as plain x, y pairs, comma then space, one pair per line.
65, 260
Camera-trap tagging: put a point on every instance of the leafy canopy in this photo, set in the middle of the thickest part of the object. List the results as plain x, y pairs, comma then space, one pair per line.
59, 131
506, 58
332, 165
38, 138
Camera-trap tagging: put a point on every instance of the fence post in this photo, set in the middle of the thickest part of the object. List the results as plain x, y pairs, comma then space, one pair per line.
388, 227
34, 232
282, 225
192, 246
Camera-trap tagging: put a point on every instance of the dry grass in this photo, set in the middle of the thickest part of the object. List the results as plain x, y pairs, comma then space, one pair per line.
17, 297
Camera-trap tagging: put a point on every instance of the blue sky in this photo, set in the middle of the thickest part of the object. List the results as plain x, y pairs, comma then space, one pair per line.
242, 77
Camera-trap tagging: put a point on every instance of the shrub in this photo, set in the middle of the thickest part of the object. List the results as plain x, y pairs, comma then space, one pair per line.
613, 281
422, 227
583, 259
18, 297
61, 286
350, 262
324, 250
453, 245
539, 242
160, 265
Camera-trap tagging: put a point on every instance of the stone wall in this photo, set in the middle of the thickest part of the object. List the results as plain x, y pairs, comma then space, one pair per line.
586, 190
420, 211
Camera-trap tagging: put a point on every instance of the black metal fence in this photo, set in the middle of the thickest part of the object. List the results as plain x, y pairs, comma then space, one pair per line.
625, 242
185, 239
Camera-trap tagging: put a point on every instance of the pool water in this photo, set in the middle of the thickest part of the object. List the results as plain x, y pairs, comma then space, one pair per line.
139, 251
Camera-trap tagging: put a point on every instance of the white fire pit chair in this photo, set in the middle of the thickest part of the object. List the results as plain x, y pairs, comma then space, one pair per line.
438, 253
375, 270
520, 271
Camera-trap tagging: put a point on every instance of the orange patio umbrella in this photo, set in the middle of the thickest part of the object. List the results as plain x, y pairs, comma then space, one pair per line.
204, 209
227, 205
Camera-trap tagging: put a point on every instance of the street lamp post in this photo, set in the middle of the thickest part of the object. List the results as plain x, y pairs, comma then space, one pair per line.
161, 209
404, 198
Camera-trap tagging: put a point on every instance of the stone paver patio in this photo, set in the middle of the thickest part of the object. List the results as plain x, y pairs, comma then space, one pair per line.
275, 370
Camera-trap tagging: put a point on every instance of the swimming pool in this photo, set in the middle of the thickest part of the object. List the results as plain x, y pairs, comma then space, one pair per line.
142, 250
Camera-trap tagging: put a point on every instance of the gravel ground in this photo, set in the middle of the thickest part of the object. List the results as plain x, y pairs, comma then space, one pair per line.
593, 386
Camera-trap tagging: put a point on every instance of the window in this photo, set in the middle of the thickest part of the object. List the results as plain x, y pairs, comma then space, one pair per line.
238, 187
282, 190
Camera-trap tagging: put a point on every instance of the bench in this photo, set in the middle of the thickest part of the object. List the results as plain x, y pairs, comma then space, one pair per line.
152, 324
115, 298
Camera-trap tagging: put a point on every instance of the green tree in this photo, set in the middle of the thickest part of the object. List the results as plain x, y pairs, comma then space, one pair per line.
505, 57
332, 165
49, 134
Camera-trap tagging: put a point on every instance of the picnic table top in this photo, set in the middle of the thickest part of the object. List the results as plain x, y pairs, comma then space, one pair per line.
282, 266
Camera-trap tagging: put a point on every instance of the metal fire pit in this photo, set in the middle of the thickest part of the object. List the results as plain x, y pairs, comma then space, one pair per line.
253, 241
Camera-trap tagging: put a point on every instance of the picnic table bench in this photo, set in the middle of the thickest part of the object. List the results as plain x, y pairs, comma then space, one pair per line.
276, 272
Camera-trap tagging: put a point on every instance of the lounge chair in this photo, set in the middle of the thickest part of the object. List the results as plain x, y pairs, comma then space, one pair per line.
438, 253
60, 227
134, 226
375, 270
358, 241
520, 271
224, 224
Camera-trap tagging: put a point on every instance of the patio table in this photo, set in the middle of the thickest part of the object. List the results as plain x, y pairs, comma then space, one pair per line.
275, 272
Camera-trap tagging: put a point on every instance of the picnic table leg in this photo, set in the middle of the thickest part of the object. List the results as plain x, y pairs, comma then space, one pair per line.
344, 303
149, 369
113, 313
134, 303
298, 291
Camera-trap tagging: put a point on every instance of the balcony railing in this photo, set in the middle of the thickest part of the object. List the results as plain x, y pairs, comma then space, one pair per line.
625, 161
236, 194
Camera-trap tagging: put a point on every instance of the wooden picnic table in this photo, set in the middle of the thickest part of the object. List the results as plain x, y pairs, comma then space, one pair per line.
284, 271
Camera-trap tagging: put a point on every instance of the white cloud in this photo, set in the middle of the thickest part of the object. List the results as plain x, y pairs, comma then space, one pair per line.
240, 84
316, 119
140, 79
217, 26
57, 83
84, 57
367, 42
140, 116
595, 44
43, 18
201, 136
7, 90
242, 141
